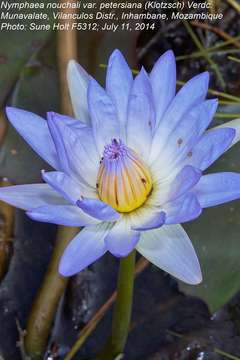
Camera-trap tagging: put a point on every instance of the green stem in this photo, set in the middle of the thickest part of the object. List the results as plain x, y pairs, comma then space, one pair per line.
87, 330
6, 232
234, 59
45, 305
217, 93
225, 354
210, 52
222, 44
235, 5
227, 115
205, 53
122, 310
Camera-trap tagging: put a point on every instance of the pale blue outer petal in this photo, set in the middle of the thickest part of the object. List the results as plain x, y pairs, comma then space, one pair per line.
218, 188
141, 115
184, 209
68, 215
35, 132
183, 138
171, 250
121, 239
78, 80
178, 186
163, 81
69, 188
146, 216
234, 124
75, 124
103, 114
84, 249
118, 84
210, 147
77, 159
154, 221
81, 131
59, 141
190, 95
30, 196
98, 209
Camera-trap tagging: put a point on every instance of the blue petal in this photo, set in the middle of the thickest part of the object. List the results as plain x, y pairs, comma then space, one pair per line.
163, 81
78, 80
29, 196
183, 209
182, 183
98, 209
67, 215
140, 115
35, 131
210, 147
69, 188
77, 158
183, 138
59, 142
118, 84
83, 250
170, 248
103, 116
121, 240
190, 95
234, 124
154, 221
75, 124
218, 188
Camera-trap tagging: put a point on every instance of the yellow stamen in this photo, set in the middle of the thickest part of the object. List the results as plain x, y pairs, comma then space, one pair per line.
124, 181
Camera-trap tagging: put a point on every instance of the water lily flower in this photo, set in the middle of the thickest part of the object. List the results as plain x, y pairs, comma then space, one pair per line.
130, 168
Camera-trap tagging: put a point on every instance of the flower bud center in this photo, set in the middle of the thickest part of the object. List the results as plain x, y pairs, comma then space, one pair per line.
124, 181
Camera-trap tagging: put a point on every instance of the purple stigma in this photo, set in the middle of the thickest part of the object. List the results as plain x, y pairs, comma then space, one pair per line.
115, 150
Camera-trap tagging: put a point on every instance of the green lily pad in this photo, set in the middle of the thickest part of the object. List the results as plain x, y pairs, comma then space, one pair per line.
215, 236
17, 47
36, 91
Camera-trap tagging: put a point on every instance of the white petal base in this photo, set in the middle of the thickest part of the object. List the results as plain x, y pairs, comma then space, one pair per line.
170, 248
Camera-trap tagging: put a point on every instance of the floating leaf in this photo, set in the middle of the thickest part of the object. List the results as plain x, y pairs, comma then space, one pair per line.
216, 238
36, 91
17, 47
